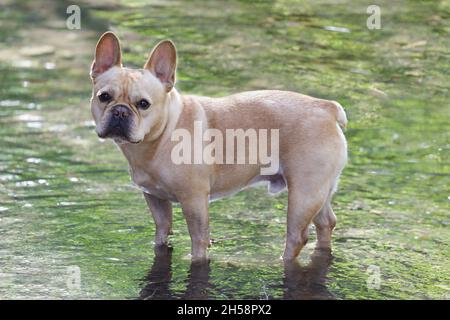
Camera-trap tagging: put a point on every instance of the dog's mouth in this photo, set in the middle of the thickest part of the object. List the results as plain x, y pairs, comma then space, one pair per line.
118, 138
118, 130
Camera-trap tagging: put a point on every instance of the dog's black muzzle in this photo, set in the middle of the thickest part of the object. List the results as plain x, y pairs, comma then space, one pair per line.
119, 122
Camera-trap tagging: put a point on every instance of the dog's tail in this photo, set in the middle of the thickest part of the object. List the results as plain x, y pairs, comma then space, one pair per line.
341, 117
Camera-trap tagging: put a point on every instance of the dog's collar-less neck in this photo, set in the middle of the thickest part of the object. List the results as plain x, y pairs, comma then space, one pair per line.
172, 111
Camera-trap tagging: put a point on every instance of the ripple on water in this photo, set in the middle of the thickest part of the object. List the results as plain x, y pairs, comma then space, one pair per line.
34, 160
10, 103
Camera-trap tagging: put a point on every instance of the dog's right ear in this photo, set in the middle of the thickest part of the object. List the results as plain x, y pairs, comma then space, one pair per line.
163, 63
107, 54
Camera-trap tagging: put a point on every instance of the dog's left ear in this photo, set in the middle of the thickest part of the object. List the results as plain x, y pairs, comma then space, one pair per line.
163, 63
107, 54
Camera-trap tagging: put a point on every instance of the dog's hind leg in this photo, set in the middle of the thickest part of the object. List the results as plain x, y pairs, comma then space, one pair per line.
303, 205
325, 221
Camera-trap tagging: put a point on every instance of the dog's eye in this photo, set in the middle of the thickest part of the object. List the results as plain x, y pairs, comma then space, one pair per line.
104, 97
143, 104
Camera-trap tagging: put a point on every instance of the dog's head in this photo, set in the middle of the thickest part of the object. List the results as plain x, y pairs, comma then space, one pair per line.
127, 104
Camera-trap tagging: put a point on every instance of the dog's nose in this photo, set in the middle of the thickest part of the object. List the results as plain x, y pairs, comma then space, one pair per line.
121, 112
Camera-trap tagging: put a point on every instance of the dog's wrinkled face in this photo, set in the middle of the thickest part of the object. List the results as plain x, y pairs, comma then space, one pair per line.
127, 103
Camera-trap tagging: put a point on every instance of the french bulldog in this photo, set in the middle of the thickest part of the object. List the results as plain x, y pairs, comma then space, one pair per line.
145, 115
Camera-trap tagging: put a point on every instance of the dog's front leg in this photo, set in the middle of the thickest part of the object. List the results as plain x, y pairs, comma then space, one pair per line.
162, 215
195, 210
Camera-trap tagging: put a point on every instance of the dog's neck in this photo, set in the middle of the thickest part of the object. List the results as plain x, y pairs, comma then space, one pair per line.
171, 112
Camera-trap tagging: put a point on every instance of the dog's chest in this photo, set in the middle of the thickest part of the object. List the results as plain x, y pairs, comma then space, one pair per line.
150, 183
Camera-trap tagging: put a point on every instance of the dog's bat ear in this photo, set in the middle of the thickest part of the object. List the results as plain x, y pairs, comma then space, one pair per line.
107, 54
163, 63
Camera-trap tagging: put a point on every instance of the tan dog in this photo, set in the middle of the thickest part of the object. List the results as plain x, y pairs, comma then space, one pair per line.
140, 109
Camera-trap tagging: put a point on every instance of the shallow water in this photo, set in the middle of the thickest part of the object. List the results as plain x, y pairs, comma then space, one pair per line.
66, 198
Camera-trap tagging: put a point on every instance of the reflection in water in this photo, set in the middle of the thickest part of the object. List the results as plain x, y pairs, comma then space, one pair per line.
198, 281
160, 276
308, 282
299, 282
